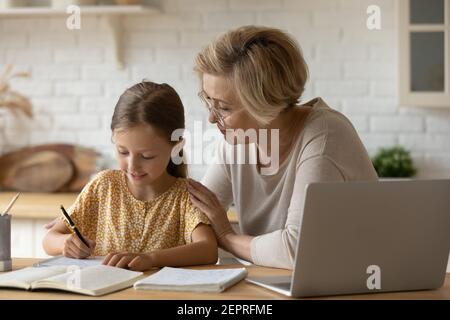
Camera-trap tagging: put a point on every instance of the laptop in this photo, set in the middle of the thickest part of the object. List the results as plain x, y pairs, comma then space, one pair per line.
368, 237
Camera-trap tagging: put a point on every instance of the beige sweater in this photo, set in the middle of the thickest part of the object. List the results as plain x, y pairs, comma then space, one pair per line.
269, 207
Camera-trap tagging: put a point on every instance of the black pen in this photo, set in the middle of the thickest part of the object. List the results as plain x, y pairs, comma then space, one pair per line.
73, 226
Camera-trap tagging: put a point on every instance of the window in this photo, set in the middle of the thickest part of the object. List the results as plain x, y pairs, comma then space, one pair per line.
424, 53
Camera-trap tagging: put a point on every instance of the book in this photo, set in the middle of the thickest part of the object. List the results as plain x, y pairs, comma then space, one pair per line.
178, 279
93, 280
64, 261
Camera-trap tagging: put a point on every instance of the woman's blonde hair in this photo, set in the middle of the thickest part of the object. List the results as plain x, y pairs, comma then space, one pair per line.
265, 66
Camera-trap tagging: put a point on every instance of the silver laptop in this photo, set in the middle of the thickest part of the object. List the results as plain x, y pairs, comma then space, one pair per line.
367, 237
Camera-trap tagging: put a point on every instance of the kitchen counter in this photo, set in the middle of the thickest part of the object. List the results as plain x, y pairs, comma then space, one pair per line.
46, 205
33, 210
37, 205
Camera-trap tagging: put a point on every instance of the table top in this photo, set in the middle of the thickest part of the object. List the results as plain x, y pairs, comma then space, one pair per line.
241, 291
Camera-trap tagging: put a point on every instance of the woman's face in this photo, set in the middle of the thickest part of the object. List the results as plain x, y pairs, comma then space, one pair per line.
221, 95
142, 153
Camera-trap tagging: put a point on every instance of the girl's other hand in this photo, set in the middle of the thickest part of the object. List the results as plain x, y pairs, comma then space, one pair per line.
75, 248
132, 261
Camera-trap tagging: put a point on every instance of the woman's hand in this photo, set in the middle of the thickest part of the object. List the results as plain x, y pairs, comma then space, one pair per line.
132, 261
207, 202
75, 248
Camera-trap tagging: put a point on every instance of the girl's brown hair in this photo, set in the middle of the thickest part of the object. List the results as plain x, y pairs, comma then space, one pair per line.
158, 105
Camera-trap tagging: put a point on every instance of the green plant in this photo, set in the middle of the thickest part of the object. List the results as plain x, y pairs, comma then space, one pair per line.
394, 162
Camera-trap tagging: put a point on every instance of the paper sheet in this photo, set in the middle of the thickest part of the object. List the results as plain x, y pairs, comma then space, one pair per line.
63, 261
178, 277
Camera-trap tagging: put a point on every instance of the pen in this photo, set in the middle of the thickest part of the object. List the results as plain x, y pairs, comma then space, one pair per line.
73, 226
10, 204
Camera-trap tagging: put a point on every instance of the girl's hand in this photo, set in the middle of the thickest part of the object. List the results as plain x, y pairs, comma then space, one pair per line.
206, 200
75, 248
51, 223
132, 261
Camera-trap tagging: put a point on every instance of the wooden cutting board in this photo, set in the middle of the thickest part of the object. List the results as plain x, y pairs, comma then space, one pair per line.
53, 167
45, 171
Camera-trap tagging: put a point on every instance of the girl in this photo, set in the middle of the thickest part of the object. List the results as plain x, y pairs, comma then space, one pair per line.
140, 216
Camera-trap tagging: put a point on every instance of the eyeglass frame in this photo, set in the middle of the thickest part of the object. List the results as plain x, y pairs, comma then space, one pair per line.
220, 118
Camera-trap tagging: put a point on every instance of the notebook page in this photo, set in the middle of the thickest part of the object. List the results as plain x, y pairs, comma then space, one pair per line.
64, 261
31, 274
185, 277
94, 278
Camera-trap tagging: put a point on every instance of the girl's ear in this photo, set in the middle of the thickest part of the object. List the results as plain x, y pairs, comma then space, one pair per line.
177, 151
113, 134
182, 142
177, 147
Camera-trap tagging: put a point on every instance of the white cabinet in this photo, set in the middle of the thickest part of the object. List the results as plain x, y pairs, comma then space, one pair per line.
26, 238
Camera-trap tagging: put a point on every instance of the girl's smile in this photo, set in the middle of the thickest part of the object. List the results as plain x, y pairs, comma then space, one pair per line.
137, 176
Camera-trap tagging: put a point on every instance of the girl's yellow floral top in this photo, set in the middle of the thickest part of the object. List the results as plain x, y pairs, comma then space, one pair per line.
107, 212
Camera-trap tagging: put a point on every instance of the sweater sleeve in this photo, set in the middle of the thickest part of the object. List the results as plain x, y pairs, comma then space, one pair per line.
277, 249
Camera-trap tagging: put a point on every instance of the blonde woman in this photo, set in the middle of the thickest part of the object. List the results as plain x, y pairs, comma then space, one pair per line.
252, 78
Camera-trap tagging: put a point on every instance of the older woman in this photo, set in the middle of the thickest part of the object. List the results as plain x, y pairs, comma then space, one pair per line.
252, 79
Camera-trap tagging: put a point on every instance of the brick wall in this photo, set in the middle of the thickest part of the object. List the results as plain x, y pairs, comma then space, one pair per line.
75, 83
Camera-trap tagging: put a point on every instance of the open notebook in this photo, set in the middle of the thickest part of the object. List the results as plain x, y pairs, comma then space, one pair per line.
178, 279
93, 280
64, 261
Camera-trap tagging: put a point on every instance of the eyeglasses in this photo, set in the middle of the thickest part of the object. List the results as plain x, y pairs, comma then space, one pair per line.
210, 105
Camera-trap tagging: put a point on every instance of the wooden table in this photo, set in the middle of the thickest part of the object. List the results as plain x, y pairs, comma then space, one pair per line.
242, 290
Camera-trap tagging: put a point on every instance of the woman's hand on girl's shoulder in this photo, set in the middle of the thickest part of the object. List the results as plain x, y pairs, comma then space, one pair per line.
132, 261
207, 201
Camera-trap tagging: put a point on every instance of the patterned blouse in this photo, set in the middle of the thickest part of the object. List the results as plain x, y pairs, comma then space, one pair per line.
107, 212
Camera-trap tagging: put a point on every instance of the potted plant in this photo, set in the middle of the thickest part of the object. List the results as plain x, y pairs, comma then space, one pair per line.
394, 162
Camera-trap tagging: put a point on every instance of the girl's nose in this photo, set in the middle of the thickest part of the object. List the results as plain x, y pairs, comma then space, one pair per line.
132, 164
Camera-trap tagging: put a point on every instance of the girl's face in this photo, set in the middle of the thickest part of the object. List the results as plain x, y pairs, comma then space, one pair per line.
220, 95
142, 153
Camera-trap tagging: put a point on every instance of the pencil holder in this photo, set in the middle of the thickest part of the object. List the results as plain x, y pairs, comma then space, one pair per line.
5, 243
